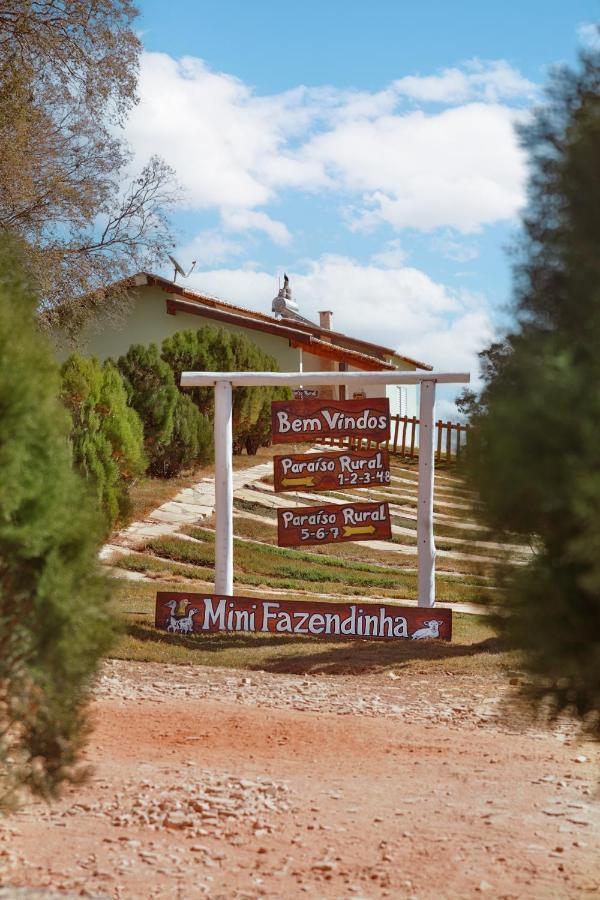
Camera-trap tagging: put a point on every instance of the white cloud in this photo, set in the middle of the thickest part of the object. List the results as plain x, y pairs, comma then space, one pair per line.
209, 247
248, 220
489, 81
391, 256
589, 34
460, 168
235, 151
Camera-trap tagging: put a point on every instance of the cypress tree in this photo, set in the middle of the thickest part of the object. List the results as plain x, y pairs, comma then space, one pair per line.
54, 618
213, 349
536, 453
152, 392
107, 434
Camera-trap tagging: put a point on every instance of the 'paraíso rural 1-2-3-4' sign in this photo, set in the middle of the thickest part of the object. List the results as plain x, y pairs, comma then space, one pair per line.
331, 471
183, 613
332, 523
295, 421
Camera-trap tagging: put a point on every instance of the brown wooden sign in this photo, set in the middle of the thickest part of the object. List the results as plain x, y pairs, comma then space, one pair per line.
333, 523
331, 471
293, 421
185, 613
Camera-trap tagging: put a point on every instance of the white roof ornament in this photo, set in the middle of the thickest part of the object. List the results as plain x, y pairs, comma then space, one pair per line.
283, 305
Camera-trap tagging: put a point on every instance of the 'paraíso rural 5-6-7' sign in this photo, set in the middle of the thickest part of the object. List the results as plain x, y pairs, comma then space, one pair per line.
183, 613
301, 420
332, 523
331, 471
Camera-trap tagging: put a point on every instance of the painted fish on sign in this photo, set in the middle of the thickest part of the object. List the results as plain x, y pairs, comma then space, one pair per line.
183, 613
298, 420
333, 523
331, 471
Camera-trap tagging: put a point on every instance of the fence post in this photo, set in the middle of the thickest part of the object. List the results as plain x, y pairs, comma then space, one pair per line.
413, 436
223, 489
396, 429
425, 541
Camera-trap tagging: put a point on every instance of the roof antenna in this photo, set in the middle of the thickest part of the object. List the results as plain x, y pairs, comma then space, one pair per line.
179, 268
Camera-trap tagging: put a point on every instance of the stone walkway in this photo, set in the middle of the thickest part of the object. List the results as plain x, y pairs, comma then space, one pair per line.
188, 507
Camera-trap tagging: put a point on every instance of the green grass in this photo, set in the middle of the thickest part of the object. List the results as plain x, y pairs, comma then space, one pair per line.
299, 571
349, 569
474, 649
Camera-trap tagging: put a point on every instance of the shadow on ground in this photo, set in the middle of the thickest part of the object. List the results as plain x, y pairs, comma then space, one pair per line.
305, 655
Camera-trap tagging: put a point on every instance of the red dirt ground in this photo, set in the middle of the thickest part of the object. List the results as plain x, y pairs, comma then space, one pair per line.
368, 802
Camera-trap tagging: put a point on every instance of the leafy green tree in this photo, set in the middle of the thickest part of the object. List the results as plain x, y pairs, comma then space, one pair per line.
535, 457
54, 618
106, 435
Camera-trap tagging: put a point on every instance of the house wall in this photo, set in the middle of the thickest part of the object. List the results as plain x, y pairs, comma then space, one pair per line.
148, 322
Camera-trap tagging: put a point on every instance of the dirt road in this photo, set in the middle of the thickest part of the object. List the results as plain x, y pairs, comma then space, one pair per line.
221, 784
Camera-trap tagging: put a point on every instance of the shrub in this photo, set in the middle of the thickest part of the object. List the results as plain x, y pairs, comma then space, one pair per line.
106, 433
152, 392
212, 349
176, 433
54, 620
191, 439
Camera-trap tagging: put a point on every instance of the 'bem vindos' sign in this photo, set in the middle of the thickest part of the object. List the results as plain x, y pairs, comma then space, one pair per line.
333, 523
295, 421
183, 613
331, 471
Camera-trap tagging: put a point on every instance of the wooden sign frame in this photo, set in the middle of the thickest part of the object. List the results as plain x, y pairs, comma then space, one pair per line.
295, 421
224, 383
186, 613
333, 523
331, 471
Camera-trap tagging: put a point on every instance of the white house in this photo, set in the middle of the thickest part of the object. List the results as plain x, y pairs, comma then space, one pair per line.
161, 307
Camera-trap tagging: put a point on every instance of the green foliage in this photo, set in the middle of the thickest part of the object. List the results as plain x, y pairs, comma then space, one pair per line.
176, 434
54, 621
535, 451
152, 392
212, 349
190, 440
106, 434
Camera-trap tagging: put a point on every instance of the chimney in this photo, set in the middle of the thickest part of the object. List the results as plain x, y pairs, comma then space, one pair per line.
325, 318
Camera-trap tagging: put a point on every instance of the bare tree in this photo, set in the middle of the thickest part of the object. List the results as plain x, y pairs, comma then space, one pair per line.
68, 76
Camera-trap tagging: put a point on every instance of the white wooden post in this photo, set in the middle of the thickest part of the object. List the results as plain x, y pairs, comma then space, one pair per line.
223, 489
425, 541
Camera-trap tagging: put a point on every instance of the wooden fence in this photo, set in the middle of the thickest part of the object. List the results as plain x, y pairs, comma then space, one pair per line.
450, 439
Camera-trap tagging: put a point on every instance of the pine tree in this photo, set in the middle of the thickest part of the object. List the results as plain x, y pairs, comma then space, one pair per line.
54, 618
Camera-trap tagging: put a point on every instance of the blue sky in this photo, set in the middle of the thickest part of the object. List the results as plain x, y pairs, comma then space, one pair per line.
367, 149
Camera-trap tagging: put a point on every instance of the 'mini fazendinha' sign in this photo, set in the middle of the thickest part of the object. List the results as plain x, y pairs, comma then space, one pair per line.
185, 613
299, 420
